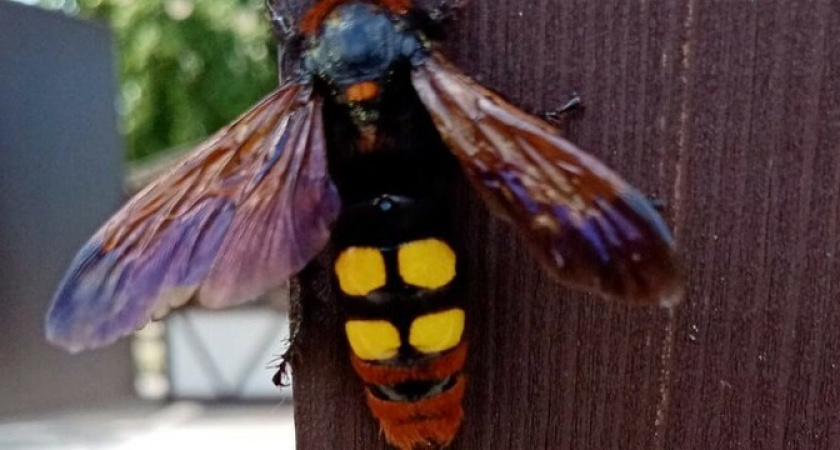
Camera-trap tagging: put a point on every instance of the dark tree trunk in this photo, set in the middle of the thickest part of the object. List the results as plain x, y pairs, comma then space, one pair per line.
728, 110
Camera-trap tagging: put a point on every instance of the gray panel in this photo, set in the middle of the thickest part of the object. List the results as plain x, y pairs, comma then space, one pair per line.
60, 177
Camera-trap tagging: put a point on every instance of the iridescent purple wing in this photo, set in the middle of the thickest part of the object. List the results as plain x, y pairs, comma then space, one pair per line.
247, 211
589, 227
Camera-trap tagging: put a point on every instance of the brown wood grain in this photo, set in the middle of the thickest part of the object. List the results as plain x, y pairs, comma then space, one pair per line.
730, 111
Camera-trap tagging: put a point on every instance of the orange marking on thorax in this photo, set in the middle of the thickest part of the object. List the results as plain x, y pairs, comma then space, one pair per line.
317, 14
359, 92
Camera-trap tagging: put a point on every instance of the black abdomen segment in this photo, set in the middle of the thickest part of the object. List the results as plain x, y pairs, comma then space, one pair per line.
396, 271
397, 275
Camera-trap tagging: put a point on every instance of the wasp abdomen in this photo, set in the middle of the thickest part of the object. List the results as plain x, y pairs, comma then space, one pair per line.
403, 322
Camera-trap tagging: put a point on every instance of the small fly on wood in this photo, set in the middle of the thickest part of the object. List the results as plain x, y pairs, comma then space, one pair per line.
360, 147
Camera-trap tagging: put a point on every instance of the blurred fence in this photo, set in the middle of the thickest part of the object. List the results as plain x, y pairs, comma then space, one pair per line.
60, 177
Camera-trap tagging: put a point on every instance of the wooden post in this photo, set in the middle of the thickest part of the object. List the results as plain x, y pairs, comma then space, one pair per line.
730, 112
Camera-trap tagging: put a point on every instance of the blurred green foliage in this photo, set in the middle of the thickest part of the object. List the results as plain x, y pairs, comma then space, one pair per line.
187, 67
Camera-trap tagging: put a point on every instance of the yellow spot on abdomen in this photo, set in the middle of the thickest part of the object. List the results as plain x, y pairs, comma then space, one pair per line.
373, 340
437, 332
360, 270
429, 263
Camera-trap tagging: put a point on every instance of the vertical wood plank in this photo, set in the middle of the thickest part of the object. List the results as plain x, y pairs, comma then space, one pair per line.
763, 305
730, 112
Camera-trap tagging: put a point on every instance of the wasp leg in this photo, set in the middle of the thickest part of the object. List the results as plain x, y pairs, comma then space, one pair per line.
657, 203
282, 378
282, 21
446, 10
558, 116
285, 362
289, 40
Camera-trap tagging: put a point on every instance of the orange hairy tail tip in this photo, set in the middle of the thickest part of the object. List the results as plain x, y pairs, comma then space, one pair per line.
429, 423
317, 14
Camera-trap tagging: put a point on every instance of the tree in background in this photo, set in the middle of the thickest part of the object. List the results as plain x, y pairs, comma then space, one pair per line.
187, 67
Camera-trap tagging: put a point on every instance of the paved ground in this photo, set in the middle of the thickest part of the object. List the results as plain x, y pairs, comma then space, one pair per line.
177, 426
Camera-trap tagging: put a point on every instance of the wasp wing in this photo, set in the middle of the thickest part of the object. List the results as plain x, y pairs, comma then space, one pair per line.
591, 228
248, 210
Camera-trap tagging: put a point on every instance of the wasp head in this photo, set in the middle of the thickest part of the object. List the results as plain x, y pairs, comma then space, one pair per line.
355, 49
